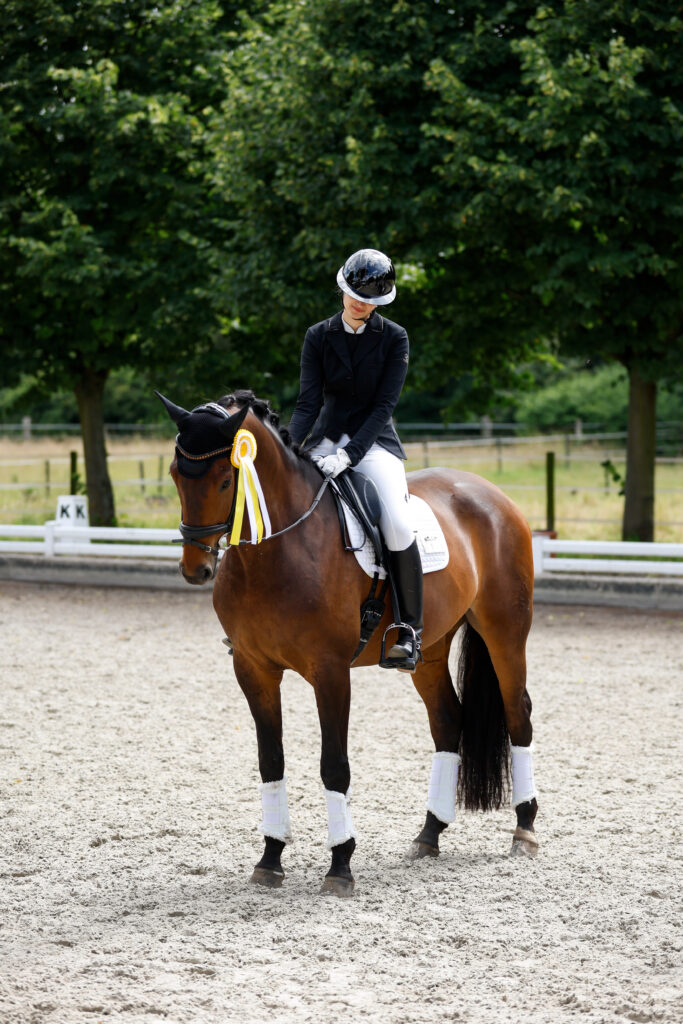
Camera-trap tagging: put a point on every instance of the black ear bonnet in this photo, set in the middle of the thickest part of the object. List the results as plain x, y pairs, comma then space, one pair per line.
205, 434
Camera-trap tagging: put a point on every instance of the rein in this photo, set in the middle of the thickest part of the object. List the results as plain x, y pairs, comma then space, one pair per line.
191, 534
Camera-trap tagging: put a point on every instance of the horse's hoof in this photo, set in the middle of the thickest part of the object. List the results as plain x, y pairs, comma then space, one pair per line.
266, 877
524, 843
418, 850
338, 886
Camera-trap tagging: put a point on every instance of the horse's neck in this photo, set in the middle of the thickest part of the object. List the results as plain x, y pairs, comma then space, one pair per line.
287, 482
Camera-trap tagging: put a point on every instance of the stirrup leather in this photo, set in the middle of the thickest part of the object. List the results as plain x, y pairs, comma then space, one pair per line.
410, 661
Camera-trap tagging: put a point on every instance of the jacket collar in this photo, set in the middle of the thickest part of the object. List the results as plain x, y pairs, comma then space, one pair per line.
375, 323
336, 336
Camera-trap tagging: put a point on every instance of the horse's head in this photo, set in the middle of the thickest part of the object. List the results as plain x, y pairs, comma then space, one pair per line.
204, 476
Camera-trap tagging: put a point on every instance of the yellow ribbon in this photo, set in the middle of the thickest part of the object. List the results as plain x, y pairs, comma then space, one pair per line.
249, 490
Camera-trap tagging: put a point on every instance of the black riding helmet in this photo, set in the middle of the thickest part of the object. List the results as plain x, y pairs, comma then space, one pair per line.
368, 275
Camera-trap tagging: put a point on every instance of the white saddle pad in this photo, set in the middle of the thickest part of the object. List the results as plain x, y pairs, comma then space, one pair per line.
430, 539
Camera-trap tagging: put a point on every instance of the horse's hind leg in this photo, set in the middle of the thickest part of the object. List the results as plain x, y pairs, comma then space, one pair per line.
506, 643
261, 687
433, 682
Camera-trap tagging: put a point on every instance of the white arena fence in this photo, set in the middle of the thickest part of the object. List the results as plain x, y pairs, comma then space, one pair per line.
55, 538
606, 556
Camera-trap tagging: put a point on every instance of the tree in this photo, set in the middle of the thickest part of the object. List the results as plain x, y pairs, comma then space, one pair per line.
575, 173
106, 229
520, 162
321, 145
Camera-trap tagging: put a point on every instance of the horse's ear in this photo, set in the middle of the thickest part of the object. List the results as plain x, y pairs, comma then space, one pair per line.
176, 412
233, 423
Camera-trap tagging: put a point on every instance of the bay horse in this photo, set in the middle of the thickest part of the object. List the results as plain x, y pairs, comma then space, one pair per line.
293, 601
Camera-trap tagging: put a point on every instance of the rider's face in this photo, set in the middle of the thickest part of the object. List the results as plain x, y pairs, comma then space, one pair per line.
356, 311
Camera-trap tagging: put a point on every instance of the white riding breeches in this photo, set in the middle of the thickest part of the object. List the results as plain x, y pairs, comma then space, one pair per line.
388, 473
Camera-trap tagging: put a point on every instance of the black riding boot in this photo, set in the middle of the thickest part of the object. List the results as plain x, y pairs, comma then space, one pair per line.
406, 568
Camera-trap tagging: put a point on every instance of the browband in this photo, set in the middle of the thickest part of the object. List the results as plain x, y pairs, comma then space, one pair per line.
206, 455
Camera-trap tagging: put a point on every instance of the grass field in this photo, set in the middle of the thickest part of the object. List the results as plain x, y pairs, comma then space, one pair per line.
587, 501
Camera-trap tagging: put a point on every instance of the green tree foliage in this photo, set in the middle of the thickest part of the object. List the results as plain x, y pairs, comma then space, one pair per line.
323, 149
576, 173
105, 228
599, 398
521, 163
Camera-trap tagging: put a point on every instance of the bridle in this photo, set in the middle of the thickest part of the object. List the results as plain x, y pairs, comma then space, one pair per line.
191, 534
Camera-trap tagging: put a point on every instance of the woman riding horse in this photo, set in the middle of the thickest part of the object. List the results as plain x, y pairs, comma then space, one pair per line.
289, 597
353, 366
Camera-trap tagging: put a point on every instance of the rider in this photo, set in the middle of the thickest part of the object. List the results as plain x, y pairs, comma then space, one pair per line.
353, 366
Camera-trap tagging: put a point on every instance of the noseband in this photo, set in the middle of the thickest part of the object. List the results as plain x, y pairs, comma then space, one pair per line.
191, 534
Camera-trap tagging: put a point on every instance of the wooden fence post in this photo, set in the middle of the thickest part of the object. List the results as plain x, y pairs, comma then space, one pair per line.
73, 473
550, 490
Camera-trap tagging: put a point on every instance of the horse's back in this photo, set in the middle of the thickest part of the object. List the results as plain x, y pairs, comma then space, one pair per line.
470, 498
488, 538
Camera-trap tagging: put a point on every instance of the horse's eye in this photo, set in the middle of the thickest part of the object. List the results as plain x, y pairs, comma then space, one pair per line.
226, 483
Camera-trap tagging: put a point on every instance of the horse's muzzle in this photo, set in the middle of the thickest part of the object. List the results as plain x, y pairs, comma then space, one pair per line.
201, 574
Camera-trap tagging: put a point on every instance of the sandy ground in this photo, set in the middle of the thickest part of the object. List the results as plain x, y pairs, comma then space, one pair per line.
129, 830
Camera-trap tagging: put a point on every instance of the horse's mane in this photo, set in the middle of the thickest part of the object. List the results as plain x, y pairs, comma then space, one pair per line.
261, 407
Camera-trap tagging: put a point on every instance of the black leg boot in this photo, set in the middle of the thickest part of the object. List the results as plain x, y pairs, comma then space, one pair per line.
406, 568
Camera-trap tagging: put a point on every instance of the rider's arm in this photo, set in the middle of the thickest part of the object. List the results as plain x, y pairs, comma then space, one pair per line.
310, 399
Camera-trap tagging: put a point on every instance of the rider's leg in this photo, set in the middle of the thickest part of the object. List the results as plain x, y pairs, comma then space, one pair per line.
388, 473
406, 568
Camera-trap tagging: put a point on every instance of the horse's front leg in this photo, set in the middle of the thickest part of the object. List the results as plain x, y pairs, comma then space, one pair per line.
261, 687
333, 697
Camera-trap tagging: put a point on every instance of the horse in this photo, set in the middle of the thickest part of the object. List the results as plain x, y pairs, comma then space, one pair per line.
290, 598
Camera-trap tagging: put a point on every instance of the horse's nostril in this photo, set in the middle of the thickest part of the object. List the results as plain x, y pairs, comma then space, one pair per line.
202, 574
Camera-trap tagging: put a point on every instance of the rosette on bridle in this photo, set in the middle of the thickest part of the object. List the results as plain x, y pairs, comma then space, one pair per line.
249, 491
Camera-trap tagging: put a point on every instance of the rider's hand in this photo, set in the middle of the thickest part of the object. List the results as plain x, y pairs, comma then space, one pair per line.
333, 465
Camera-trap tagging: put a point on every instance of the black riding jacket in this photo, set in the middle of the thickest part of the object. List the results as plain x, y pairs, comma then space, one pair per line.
350, 384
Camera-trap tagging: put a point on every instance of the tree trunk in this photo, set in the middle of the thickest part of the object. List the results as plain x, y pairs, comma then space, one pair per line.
639, 505
89, 395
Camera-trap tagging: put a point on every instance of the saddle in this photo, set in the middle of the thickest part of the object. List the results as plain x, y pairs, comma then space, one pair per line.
360, 493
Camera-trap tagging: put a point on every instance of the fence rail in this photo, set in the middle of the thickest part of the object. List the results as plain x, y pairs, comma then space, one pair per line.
53, 538
596, 556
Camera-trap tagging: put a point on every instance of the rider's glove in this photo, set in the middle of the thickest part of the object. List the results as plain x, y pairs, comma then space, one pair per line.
333, 465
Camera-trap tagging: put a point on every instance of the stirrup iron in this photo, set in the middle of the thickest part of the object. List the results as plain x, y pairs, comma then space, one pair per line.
409, 662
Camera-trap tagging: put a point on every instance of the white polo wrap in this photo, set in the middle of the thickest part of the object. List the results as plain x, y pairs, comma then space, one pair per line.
523, 787
443, 785
339, 822
276, 822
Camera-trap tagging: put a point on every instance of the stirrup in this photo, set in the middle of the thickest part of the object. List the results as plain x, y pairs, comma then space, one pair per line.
410, 662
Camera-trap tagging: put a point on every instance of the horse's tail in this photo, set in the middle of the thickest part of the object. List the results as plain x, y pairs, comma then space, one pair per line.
484, 746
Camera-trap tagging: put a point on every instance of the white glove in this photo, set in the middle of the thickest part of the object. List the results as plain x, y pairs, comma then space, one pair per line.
333, 465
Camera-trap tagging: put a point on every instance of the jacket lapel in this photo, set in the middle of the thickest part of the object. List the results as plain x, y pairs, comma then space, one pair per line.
370, 338
336, 338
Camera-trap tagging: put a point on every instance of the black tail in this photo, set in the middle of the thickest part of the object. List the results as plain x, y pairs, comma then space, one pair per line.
485, 771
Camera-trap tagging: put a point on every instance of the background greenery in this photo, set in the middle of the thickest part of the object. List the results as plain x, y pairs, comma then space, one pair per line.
182, 179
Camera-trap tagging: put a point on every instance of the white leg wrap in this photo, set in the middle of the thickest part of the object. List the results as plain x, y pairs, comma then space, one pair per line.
339, 821
443, 784
275, 810
523, 787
